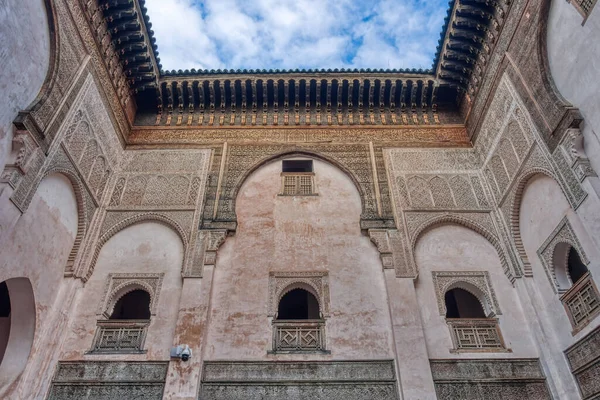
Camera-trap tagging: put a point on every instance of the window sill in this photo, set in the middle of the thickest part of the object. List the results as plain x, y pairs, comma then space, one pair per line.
113, 352
298, 195
498, 350
321, 352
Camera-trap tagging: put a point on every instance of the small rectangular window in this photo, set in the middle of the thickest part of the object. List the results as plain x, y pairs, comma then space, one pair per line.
297, 166
297, 178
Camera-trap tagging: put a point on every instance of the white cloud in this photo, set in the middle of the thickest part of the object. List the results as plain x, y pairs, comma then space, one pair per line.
269, 34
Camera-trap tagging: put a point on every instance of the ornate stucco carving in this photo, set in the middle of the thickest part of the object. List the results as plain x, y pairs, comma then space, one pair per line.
119, 284
477, 283
360, 380
563, 233
316, 282
109, 379
511, 379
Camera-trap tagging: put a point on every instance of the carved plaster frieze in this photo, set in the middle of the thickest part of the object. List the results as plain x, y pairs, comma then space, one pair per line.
119, 284
109, 380
477, 283
316, 282
487, 379
414, 136
442, 191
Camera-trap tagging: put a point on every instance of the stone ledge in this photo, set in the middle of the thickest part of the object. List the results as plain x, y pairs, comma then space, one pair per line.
292, 371
291, 380
486, 369
111, 371
584, 360
489, 379
108, 380
299, 391
584, 352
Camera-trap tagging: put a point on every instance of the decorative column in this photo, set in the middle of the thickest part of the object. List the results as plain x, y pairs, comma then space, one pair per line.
412, 360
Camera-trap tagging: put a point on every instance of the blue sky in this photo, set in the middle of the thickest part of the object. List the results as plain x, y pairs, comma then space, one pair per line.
290, 34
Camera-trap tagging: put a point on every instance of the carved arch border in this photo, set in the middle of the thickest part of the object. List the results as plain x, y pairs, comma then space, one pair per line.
562, 234
120, 284
82, 214
134, 220
478, 283
315, 282
54, 49
515, 200
286, 153
456, 219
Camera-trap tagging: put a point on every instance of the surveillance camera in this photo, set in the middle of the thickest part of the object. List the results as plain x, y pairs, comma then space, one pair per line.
186, 353
182, 352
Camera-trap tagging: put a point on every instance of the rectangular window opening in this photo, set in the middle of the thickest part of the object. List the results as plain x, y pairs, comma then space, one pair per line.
297, 166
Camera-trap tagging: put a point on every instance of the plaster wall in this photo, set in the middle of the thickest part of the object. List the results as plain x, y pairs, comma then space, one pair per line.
24, 56
574, 57
542, 208
456, 248
36, 247
147, 247
298, 233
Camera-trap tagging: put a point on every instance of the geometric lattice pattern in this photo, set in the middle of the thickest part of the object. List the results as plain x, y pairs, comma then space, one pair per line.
120, 336
477, 334
582, 302
585, 6
298, 336
298, 184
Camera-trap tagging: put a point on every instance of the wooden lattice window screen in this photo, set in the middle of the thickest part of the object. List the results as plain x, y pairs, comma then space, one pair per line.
298, 336
298, 184
120, 336
584, 6
582, 302
475, 334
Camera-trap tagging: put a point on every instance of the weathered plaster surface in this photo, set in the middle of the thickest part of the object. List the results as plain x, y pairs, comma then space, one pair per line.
289, 233
574, 57
542, 209
49, 226
456, 248
147, 247
24, 55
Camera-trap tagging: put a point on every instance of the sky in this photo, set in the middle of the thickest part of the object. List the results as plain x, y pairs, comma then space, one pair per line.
291, 34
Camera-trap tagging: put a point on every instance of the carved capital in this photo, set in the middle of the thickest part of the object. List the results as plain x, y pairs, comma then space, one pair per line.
207, 245
23, 148
391, 245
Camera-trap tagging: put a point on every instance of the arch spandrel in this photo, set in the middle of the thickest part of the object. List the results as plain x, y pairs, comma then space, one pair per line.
240, 161
480, 223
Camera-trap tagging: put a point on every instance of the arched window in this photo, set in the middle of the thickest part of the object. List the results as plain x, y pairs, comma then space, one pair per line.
470, 328
575, 266
298, 304
298, 325
133, 305
125, 329
17, 327
463, 304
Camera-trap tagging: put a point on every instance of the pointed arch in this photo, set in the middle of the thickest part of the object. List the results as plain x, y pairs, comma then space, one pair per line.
298, 153
52, 73
515, 212
82, 217
127, 222
456, 219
